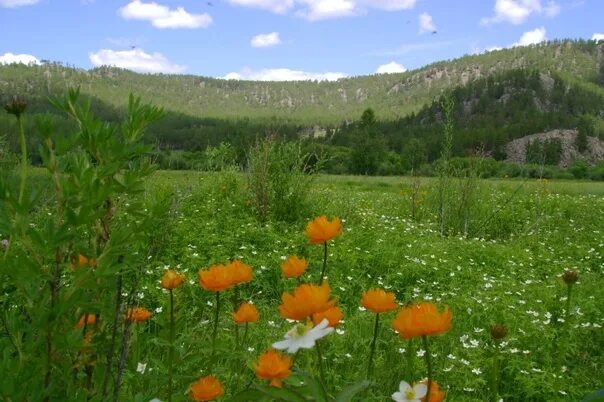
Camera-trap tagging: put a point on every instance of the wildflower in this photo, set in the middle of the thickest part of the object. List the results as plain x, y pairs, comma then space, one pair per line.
293, 267
206, 388
305, 301
273, 366
4, 244
172, 279
333, 315
303, 336
141, 367
86, 319
498, 331
406, 393
436, 394
570, 277
241, 272
246, 312
138, 314
217, 278
421, 319
82, 261
320, 230
16, 106
379, 301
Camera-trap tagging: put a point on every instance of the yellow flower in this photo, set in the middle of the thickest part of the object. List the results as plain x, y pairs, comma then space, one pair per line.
379, 301
241, 272
206, 388
273, 366
246, 312
172, 279
333, 315
320, 230
305, 301
421, 319
293, 267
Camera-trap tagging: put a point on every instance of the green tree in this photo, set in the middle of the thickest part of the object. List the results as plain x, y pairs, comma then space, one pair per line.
369, 145
585, 128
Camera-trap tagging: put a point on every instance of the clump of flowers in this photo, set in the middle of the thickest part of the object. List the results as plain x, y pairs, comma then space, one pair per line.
274, 367
207, 388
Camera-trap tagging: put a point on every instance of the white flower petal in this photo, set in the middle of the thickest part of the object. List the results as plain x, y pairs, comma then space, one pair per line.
420, 390
404, 387
282, 344
398, 397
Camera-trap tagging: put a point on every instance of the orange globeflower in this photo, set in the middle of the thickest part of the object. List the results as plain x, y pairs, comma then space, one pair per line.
293, 267
320, 230
421, 319
241, 272
246, 312
138, 314
273, 366
305, 301
436, 394
379, 301
172, 279
86, 319
206, 388
334, 315
82, 262
217, 278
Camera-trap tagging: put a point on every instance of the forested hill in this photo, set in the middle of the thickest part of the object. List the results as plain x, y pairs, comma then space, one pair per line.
391, 95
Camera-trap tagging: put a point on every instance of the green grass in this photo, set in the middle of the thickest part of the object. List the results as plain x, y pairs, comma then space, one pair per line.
511, 279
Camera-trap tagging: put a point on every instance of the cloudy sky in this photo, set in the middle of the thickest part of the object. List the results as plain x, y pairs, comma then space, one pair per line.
281, 39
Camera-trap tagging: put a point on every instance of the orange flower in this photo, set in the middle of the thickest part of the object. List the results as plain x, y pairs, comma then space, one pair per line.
241, 272
206, 388
436, 394
172, 279
273, 366
334, 315
305, 301
379, 301
82, 262
138, 314
216, 278
320, 230
246, 312
86, 319
293, 267
421, 319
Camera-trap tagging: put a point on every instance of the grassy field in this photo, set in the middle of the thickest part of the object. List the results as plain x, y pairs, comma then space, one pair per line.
507, 272
509, 276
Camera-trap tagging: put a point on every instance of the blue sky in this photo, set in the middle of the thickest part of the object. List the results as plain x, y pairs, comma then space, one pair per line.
281, 39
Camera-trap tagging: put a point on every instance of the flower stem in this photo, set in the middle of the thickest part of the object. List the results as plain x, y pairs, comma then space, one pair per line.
320, 362
216, 311
428, 364
410, 360
171, 351
373, 342
23, 158
324, 263
496, 372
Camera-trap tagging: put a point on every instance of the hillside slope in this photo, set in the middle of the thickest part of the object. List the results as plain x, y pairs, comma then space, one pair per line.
392, 95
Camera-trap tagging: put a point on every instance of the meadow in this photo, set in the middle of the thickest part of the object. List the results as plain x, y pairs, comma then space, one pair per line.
515, 335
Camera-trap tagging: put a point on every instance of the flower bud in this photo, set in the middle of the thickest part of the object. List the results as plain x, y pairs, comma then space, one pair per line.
498, 332
16, 106
570, 277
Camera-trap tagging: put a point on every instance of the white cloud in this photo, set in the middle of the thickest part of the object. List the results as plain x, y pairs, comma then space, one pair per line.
315, 10
282, 74
426, 24
163, 17
598, 37
517, 11
266, 40
531, 37
391, 68
275, 6
17, 3
10, 58
390, 5
135, 60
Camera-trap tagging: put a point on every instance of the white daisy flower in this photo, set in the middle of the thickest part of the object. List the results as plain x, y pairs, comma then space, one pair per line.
303, 336
407, 393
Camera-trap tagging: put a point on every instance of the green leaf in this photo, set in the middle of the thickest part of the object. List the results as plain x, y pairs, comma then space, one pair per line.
314, 386
282, 394
350, 391
247, 396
